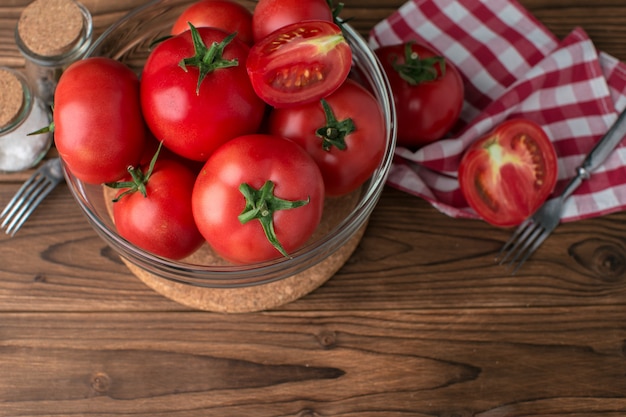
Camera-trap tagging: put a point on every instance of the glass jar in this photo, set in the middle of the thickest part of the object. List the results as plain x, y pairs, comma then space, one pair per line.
51, 34
21, 114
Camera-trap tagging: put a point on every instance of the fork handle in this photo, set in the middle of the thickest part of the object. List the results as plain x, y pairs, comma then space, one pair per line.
599, 153
605, 146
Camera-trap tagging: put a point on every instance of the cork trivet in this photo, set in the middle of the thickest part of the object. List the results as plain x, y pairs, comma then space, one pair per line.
11, 97
262, 296
50, 27
255, 298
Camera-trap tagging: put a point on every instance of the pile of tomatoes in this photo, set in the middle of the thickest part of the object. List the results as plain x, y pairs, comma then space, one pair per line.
239, 127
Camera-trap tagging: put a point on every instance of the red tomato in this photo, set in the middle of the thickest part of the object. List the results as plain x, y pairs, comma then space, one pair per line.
270, 15
227, 15
428, 92
193, 116
299, 63
161, 221
347, 140
262, 175
507, 174
98, 126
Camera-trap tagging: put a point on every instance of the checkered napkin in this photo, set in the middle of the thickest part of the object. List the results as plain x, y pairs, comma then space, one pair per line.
512, 66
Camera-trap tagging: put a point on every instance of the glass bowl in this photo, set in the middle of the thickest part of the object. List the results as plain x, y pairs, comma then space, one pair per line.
129, 40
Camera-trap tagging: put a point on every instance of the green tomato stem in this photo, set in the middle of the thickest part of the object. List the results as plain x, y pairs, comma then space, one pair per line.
261, 205
138, 179
416, 70
335, 131
45, 129
336, 11
207, 59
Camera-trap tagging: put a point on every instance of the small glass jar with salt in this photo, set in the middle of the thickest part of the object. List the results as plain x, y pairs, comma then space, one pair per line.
21, 114
51, 34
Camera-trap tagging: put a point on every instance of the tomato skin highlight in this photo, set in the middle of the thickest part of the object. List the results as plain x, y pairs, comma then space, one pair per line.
271, 15
254, 159
427, 111
162, 221
299, 63
508, 174
343, 170
98, 126
227, 15
194, 123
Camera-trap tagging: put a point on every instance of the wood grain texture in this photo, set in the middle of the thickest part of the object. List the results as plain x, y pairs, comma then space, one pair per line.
420, 321
445, 362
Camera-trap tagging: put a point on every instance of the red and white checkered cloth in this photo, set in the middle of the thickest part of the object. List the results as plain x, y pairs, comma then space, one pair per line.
512, 66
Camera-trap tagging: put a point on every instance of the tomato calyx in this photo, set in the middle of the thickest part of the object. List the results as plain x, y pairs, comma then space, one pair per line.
299, 63
207, 59
416, 70
138, 179
45, 129
335, 131
261, 205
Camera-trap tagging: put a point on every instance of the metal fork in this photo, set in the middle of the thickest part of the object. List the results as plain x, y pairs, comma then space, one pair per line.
534, 231
30, 195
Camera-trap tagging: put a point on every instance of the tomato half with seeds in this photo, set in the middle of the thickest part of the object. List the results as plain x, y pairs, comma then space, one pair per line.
507, 174
299, 63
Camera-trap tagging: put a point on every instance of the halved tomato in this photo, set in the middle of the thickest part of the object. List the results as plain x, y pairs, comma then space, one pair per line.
299, 63
507, 174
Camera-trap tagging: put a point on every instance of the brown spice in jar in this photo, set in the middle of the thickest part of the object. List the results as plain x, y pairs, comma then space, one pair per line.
50, 27
11, 97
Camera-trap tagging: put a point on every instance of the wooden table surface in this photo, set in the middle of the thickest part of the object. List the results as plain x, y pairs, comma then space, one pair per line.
419, 322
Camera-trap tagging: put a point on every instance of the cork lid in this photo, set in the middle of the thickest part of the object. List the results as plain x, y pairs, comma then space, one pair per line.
50, 27
11, 97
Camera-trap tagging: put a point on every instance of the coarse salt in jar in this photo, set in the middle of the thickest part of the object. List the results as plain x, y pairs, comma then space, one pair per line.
51, 34
21, 114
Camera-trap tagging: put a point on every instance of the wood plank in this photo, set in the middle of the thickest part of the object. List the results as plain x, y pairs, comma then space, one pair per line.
445, 362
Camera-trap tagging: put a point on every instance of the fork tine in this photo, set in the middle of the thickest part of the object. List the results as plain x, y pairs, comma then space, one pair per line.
524, 250
29, 206
18, 202
24, 190
534, 244
516, 239
30, 195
